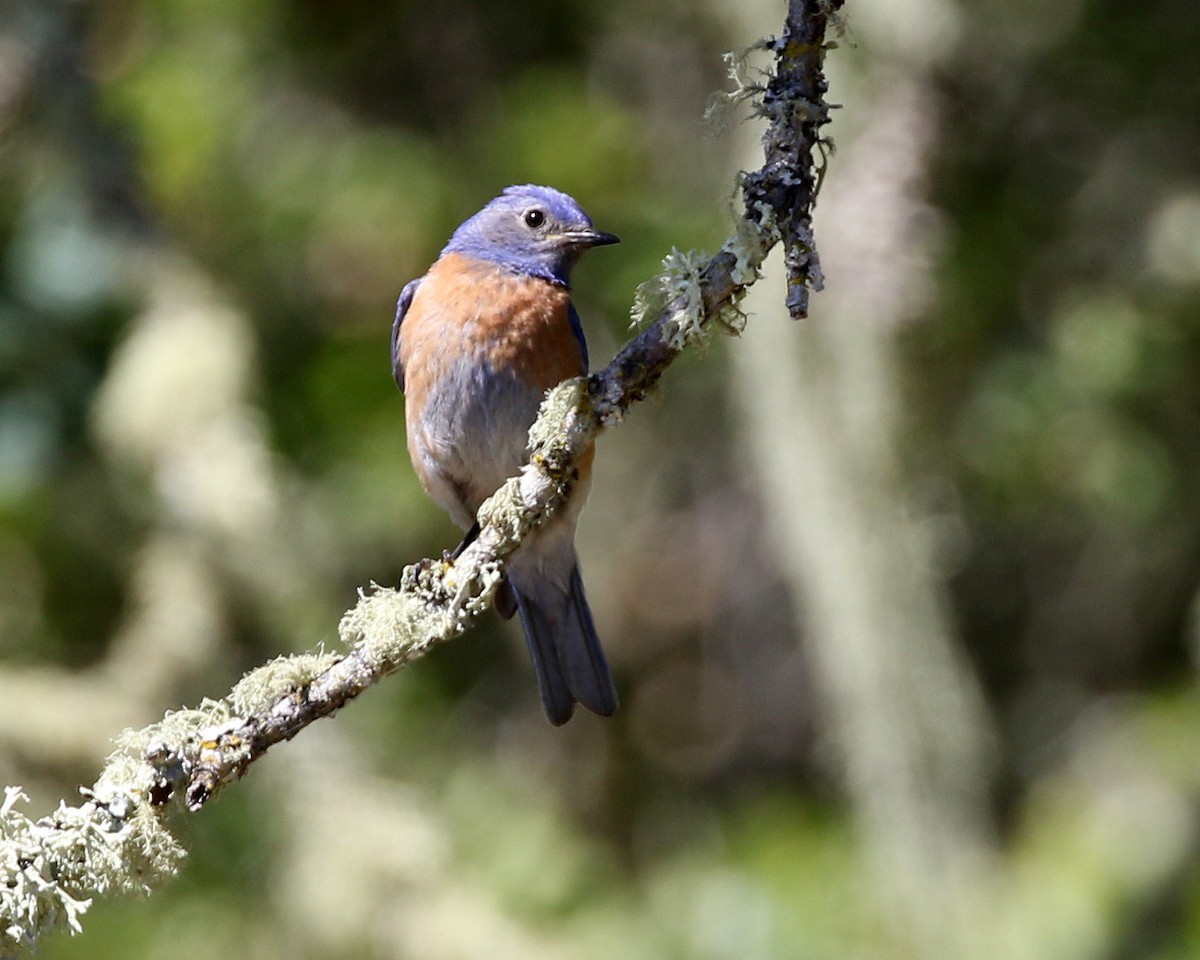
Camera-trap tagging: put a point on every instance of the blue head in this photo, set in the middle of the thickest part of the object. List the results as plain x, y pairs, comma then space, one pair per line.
533, 230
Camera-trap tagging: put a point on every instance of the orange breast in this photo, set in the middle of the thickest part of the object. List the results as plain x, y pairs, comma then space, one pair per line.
480, 346
519, 324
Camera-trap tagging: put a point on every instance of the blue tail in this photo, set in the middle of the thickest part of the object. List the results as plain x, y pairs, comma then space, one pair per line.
566, 653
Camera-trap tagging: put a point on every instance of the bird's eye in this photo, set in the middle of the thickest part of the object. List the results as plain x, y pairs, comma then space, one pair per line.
534, 218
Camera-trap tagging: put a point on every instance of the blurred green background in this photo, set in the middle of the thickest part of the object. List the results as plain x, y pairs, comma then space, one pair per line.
901, 600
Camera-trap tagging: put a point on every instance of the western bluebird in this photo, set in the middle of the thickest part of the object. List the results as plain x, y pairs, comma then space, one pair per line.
476, 344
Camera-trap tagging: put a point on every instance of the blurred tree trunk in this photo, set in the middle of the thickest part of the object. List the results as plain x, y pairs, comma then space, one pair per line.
822, 420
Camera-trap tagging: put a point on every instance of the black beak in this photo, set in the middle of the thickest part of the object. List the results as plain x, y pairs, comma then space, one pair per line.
591, 238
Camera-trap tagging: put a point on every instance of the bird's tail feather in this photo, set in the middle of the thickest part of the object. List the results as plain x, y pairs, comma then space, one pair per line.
566, 654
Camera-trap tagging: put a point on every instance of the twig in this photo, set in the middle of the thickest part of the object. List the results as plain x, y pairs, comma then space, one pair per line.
794, 101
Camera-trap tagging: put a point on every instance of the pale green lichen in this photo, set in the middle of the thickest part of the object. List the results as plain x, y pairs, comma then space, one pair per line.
562, 406
674, 295
502, 512
723, 104
474, 593
392, 625
146, 757
52, 869
752, 241
261, 687
168, 735
31, 897
513, 508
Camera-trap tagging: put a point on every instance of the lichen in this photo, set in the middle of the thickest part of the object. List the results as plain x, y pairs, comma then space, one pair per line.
502, 512
674, 297
261, 687
559, 413
51, 870
723, 104
390, 624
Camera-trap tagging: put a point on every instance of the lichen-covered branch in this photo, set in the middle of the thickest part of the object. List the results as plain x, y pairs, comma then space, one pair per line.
787, 183
117, 841
437, 599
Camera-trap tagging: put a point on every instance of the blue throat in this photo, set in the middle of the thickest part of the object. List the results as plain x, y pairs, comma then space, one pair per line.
470, 244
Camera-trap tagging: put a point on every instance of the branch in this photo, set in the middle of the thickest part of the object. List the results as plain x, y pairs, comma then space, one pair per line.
794, 102
117, 839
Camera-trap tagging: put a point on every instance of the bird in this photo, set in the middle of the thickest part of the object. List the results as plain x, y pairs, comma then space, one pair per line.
476, 343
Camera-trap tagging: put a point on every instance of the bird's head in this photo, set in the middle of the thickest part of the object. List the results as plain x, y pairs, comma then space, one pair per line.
533, 230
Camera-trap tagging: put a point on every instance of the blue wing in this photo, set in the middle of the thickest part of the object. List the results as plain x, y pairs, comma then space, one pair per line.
577, 329
402, 305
